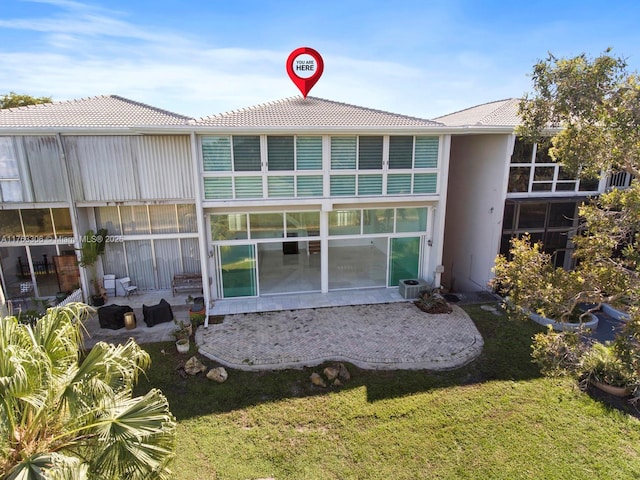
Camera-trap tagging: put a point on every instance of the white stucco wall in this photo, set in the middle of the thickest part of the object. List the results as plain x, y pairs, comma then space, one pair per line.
478, 175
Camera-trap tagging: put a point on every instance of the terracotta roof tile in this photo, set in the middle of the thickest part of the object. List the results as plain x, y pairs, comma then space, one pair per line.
311, 112
502, 113
92, 112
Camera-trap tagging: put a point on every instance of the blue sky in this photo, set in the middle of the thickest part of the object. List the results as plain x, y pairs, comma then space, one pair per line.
202, 57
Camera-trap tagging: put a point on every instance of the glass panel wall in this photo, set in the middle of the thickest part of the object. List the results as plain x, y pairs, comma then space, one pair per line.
357, 263
266, 225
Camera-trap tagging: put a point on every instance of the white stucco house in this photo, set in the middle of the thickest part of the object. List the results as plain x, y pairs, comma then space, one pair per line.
295, 195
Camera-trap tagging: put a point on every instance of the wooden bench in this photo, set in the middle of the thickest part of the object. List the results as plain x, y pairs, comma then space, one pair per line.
186, 282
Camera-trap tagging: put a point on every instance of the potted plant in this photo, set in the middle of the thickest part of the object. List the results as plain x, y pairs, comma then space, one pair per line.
92, 246
603, 368
197, 319
533, 287
182, 333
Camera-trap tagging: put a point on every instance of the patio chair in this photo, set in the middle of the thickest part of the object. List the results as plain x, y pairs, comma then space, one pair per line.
109, 282
126, 287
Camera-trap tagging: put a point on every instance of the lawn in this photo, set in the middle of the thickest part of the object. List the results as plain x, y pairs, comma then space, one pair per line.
496, 418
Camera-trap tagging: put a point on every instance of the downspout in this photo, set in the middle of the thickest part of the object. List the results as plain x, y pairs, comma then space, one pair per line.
440, 213
72, 207
202, 235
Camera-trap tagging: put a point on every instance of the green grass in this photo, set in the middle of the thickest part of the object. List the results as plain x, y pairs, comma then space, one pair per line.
495, 418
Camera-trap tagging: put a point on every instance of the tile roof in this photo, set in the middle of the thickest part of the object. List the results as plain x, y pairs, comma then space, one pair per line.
502, 113
92, 112
311, 112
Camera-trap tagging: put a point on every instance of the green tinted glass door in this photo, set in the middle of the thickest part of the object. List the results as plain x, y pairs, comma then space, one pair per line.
238, 267
404, 259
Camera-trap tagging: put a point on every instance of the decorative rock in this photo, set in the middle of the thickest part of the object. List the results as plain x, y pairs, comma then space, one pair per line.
194, 366
343, 374
317, 380
218, 374
488, 308
331, 373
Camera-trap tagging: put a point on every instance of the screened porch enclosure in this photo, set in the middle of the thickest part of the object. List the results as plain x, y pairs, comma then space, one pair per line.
150, 243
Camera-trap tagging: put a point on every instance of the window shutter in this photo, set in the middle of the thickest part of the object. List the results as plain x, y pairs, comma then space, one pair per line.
280, 153
310, 186
246, 153
399, 183
309, 153
216, 154
343, 153
400, 152
248, 187
426, 152
425, 183
217, 188
370, 153
281, 186
343, 185
369, 184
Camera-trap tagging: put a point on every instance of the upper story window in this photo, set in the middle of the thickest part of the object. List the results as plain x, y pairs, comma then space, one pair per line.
48, 223
532, 170
147, 219
10, 186
291, 166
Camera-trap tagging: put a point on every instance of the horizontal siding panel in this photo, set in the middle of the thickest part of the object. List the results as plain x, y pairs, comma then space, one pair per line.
102, 168
165, 170
47, 179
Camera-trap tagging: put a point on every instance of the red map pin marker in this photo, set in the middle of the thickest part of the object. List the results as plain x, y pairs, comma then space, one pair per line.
305, 67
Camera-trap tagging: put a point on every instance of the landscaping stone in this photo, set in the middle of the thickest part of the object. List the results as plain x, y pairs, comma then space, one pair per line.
317, 380
343, 374
193, 366
331, 373
218, 374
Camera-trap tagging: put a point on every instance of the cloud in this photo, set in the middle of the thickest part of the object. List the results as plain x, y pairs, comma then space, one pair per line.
82, 51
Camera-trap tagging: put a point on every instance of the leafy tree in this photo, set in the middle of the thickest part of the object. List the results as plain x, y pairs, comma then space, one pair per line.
589, 111
13, 99
66, 418
592, 106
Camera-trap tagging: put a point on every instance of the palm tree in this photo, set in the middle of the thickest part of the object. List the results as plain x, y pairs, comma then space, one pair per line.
64, 417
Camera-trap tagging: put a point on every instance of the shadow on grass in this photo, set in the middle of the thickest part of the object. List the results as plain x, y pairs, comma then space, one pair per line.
506, 356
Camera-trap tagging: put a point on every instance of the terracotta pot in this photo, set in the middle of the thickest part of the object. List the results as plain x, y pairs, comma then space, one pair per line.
610, 389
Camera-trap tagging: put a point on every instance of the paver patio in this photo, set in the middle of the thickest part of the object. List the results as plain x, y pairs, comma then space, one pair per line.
381, 336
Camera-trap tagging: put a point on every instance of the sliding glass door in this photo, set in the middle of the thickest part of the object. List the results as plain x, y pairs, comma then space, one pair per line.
404, 259
238, 270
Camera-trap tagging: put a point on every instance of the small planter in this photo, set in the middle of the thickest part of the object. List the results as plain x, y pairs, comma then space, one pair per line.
615, 313
97, 300
591, 324
610, 389
182, 345
129, 321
